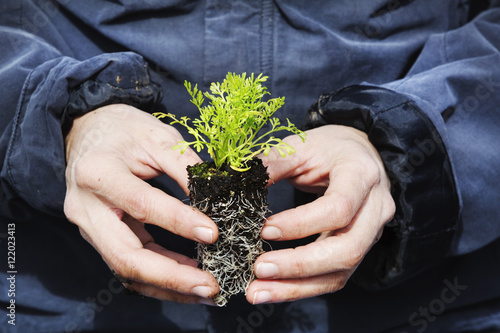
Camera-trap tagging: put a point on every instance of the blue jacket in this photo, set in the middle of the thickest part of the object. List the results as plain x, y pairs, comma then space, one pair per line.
422, 78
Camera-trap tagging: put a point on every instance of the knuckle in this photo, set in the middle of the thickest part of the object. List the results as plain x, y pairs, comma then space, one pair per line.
368, 171
333, 284
343, 208
336, 284
84, 173
138, 205
70, 208
294, 293
176, 225
298, 266
389, 208
355, 256
172, 283
122, 265
118, 263
371, 174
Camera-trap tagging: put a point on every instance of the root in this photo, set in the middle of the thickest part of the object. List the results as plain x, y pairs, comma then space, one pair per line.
231, 258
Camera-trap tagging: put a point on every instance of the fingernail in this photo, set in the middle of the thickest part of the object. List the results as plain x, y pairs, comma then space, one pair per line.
262, 297
207, 301
202, 291
266, 270
204, 235
271, 233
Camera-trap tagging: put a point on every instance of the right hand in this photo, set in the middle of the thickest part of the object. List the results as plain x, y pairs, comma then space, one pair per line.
109, 153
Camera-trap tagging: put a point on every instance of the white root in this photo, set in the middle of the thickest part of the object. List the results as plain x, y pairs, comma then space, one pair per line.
231, 258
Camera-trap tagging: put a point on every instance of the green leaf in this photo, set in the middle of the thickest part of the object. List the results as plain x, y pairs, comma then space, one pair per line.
229, 125
160, 115
267, 150
181, 145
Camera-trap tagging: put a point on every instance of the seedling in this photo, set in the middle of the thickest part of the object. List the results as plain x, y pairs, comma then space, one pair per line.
234, 127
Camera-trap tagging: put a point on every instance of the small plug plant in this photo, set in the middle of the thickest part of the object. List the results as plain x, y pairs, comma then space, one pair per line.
234, 127
230, 126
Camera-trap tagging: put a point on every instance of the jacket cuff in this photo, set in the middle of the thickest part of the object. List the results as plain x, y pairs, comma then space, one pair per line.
117, 83
422, 181
94, 94
53, 94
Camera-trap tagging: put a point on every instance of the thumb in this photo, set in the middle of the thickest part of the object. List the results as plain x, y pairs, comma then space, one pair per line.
283, 167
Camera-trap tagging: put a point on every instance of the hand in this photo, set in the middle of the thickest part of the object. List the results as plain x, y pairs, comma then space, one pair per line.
110, 152
344, 169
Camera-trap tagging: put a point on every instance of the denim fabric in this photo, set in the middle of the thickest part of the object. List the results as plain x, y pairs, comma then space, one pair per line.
442, 55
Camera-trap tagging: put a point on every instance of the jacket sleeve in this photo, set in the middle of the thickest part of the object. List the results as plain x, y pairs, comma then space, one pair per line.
437, 131
42, 91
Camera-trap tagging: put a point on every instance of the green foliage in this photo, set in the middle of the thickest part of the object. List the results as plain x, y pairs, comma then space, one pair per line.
229, 127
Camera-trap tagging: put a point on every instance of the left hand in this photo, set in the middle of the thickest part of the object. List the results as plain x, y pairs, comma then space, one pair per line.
341, 165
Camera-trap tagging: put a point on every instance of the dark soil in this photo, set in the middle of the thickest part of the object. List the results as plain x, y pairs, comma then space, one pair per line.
205, 181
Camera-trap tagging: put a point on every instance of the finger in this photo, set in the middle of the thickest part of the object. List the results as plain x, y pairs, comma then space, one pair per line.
163, 158
152, 291
166, 295
138, 229
148, 242
165, 273
274, 291
343, 251
280, 168
343, 198
114, 183
124, 253
321, 257
203, 293
181, 259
